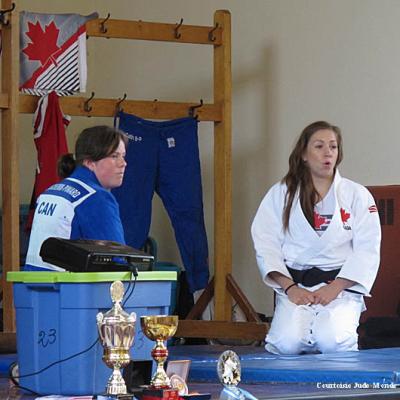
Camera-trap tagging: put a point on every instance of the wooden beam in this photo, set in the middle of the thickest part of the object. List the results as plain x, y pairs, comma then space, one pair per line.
3, 100
241, 299
144, 109
202, 302
222, 330
223, 169
123, 29
8, 342
10, 161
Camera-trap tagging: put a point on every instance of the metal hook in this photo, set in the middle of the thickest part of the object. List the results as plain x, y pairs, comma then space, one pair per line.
103, 28
86, 106
192, 108
154, 105
176, 29
3, 13
119, 102
211, 36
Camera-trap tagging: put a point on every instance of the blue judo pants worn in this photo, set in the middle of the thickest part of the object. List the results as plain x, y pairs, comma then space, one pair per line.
164, 157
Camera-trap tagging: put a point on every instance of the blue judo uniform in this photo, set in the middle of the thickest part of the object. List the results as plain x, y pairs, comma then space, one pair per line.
78, 207
164, 157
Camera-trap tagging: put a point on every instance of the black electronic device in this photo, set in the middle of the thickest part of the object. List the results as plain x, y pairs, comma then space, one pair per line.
84, 255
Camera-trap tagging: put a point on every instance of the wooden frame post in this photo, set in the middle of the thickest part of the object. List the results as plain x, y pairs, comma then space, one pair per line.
10, 160
223, 287
223, 168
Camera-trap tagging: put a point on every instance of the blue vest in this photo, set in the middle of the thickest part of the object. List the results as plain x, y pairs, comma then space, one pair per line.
76, 208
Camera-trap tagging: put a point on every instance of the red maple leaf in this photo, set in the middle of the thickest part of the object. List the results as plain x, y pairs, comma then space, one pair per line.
319, 220
44, 42
345, 216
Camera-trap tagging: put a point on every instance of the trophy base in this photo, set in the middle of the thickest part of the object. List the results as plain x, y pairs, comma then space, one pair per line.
127, 396
150, 393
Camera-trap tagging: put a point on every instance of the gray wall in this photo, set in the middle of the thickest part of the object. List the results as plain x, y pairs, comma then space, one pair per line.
294, 61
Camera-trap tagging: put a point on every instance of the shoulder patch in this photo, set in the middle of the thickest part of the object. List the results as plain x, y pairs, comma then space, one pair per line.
372, 208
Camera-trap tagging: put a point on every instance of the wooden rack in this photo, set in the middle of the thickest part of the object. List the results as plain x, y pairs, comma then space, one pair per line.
222, 286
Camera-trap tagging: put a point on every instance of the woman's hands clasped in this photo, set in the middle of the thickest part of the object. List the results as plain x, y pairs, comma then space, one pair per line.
300, 296
324, 295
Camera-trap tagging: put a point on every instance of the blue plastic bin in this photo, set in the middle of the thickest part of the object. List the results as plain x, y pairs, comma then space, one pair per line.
168, 266
56, 318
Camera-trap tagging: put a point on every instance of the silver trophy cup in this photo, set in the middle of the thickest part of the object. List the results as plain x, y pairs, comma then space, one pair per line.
116, 332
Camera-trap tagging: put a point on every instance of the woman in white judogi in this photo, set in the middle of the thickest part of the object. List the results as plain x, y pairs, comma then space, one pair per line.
317, 241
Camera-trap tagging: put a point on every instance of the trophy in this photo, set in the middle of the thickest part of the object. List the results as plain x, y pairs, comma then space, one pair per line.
116, 332
159, 328
229, 374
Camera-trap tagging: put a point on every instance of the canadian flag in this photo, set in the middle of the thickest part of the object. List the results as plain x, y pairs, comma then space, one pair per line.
53, 53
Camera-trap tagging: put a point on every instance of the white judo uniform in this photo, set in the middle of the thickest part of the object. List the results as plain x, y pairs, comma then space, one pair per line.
350, 243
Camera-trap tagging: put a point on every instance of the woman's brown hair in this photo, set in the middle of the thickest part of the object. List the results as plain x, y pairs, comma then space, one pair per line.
93, 144
298, 178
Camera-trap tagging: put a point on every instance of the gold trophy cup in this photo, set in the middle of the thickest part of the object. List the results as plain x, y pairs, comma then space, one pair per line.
159, 328
116, 331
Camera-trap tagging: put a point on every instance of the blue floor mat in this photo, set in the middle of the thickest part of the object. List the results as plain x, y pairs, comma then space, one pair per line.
5, 361
259, 366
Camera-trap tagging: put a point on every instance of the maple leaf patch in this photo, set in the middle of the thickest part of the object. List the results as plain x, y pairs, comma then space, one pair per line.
344, 215
44, 42
319, 220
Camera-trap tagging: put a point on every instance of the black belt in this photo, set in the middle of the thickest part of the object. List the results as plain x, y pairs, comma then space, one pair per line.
313, 276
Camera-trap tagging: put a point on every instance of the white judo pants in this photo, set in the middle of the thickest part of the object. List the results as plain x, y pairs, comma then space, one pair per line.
315, 328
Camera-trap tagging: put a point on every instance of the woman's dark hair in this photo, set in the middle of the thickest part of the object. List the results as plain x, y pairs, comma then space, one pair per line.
93, 144
299, 175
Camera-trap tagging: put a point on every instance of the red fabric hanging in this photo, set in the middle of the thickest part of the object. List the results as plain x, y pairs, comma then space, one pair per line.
50, 142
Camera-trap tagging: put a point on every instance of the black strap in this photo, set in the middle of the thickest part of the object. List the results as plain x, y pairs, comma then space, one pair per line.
312, 276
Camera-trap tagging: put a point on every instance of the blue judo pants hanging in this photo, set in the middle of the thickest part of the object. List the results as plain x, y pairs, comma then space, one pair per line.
164, 157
